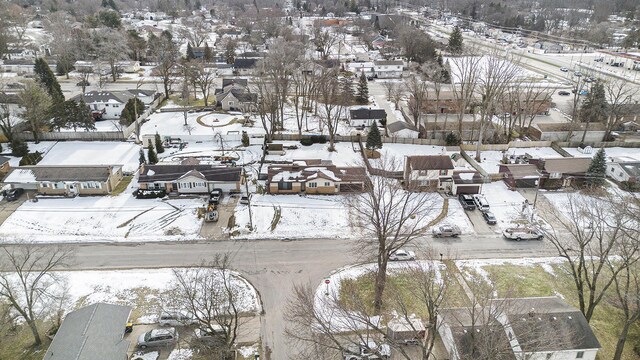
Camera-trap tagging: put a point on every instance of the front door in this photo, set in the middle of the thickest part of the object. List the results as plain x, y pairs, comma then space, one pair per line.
73, 189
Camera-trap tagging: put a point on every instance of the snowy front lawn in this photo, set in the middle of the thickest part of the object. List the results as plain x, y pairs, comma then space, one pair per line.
103, 218
294, 216
506, 205
346, 154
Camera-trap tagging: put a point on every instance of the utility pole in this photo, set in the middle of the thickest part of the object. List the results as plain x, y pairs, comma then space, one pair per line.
246, 186
135, 119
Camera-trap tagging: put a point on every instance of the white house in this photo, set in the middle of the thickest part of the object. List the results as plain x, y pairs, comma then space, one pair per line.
128, 66
428, 172
388, 69
361, 67
622, 170
364, 117
537, 328
146, 96
109, 103
190, 179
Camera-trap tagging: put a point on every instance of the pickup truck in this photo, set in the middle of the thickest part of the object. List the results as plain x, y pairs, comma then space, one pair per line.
518, 234
446, 231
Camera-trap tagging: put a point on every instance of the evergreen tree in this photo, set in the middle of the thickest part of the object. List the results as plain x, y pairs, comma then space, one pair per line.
151, 154
208, 53
597, 170
19, 148
346, 90
47, 79
142, 158
245, 139
594, 107
190, 55
83, 117
363, 90
128, 115
159, 147
374, 140
455, 41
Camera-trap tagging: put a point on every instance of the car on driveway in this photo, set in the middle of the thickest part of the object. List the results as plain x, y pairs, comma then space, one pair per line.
489, 218
467, 202
176, 318
158, 337
402, 255
14, 194
522, 233
446, 231
215, 197
564, 69
368, 351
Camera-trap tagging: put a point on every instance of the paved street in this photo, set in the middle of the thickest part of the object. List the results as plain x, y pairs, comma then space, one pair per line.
274, 266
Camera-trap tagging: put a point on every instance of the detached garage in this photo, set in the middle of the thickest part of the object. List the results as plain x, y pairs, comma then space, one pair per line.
519, 176
467, 182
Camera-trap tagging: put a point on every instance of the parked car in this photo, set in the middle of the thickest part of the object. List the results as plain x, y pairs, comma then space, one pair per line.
489, 218
589, 80
176, 318
158, 337
601, 59
244, 199
467, 202
402, 255
481, 203
368, 351
215, 197
577, 73
518, 234
564, 93
209, 334
446, 231
564, 69
83, 83
14, 194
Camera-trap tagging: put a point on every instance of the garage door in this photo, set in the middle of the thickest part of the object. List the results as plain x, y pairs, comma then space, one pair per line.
226, 187
526, 183
467, 189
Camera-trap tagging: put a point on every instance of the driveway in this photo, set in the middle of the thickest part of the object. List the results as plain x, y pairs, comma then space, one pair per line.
9, 207
217, 230
480, 226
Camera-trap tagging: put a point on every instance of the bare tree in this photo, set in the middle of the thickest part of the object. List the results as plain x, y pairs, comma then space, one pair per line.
627, 299
304, 86
389, 216
19, 20
165, 55
204, 78
196, 31
83, 77
211, 294
29, 283
267, 106
619, 96
587, 233
417, 90
332, 103
113, 48
464, 86
323, 39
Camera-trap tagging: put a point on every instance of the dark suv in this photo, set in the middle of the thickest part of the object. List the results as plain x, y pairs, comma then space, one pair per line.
467, 201
14, 194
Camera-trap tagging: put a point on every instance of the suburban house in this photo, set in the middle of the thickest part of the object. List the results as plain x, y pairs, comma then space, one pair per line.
66, 180
388, 69
244, 67
237, 100
428, 172
224, 69
441, 125
4, 164
315, 177
20, 54
466, 182
229, 84
20, 67
94, 332
190, 179
364, 117
128, 67
358, 68
108, 105
561, 172
402, 129
622, 170
541, 328
518, 176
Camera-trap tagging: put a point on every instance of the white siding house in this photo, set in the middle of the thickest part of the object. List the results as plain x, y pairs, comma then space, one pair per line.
388, 69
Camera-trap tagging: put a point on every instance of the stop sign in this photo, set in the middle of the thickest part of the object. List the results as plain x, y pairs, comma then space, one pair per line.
327, 281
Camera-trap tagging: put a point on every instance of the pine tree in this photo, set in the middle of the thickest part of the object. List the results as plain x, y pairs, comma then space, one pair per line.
346, 90
128, 115
455, 41
363, 90
142, 158
46, 78
19, 148
597, 170
374, 140
151, 154
208, 53
190, 55
159, 147
245, 139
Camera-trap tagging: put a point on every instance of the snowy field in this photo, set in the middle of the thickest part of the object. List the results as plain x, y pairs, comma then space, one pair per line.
119, 218
477, 265
506, 205
326, 216
398, 152
630, 154
94, 153
122, 287
343, 156
522, 74
206, 150
200, 124
490, 160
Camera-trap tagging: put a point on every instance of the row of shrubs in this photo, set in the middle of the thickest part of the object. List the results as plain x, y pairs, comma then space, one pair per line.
149, 194
313, 139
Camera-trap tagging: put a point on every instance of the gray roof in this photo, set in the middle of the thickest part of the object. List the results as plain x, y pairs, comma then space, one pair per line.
388, 62
631, 168
241, 95
104, 96
69, 173
367, 113
94, 332
399, 126
3, 159
174, 172
141, 92
233, 81
430, 162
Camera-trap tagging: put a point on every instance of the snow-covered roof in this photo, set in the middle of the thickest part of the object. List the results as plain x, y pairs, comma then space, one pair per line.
21, 176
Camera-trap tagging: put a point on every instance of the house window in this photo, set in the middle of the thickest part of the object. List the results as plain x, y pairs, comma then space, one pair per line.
231, 103
580, 355
326, 183
443, 172
285, 186
313, 185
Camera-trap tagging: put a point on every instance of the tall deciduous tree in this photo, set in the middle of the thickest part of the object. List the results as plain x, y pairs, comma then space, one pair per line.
165, 54
36, 105
190, 55
28, 282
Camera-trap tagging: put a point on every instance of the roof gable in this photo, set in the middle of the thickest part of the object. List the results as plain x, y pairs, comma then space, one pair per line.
430, 162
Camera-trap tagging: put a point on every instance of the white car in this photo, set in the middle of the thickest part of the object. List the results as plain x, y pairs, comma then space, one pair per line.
369, 351
402, 255
518, 234
564, 69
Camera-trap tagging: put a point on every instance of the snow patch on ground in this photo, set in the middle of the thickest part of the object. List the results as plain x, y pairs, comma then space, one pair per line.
346, 154
180, 354
154, 355
505, 204
457, 216
490, 160
247, 351
477, 265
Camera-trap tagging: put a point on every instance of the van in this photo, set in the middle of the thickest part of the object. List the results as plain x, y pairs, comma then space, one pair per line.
481, 203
